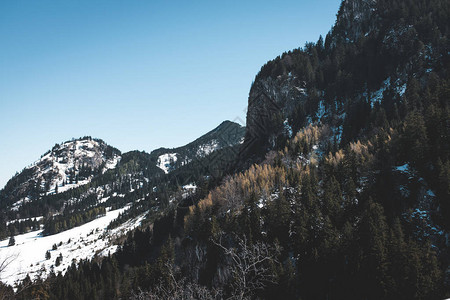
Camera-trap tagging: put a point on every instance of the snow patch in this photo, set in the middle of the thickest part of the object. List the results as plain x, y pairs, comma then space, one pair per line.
401, 89
403, 168
377, 96
321, 110
188, 189
35, 219
166, 161
208, 148
190, 186
111, 163
287, 128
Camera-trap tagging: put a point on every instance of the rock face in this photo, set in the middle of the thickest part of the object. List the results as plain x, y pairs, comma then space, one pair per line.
271, 102
356, 18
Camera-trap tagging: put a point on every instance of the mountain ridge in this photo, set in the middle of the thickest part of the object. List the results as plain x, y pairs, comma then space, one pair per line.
226, 134
78, 165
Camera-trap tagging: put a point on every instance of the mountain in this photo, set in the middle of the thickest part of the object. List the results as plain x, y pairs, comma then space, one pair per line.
369, 58
85, 189
66, 166
339, 190
227, 134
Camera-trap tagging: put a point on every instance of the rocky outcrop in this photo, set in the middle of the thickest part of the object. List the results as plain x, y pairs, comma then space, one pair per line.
356, 18
270, 104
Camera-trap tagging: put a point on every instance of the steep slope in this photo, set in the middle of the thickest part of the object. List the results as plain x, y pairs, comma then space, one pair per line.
366, 62
37, 255
351, 186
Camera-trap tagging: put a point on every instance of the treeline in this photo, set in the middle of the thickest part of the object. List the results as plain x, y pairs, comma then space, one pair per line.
8, 229
67, 221
23, 226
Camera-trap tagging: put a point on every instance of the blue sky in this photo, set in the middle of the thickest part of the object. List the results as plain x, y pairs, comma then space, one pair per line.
137, 74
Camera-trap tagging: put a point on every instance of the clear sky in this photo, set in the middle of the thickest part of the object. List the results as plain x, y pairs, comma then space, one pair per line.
137, 74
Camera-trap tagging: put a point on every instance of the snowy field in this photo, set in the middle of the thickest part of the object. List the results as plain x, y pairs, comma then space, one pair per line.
81, 242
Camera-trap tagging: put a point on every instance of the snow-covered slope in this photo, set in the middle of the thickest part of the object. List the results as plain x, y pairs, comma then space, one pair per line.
65, 166
84, 242
66, 191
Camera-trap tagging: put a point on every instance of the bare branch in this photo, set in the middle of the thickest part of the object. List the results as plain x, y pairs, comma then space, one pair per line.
6, 261
178, 289
251, 266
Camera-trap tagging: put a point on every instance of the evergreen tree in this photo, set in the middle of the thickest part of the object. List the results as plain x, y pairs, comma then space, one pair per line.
415, 141
12, 241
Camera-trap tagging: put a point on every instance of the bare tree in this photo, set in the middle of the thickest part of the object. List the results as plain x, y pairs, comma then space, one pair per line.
184, 291
251, 266
6, 292
178, 289
6, 261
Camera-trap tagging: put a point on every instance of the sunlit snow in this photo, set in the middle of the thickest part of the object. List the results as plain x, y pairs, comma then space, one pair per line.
166, 161
208, 148
78, 243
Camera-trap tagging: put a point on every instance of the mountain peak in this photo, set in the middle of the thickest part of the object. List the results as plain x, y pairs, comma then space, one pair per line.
67, 165
227, 134
355, 18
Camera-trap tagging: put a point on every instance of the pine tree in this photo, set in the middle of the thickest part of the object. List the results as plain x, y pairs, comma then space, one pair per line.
373, 240
58, 260
415, 141
12, 241
278, 219
332, 199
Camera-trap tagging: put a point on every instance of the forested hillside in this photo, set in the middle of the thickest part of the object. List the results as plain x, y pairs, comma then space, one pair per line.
340, 190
